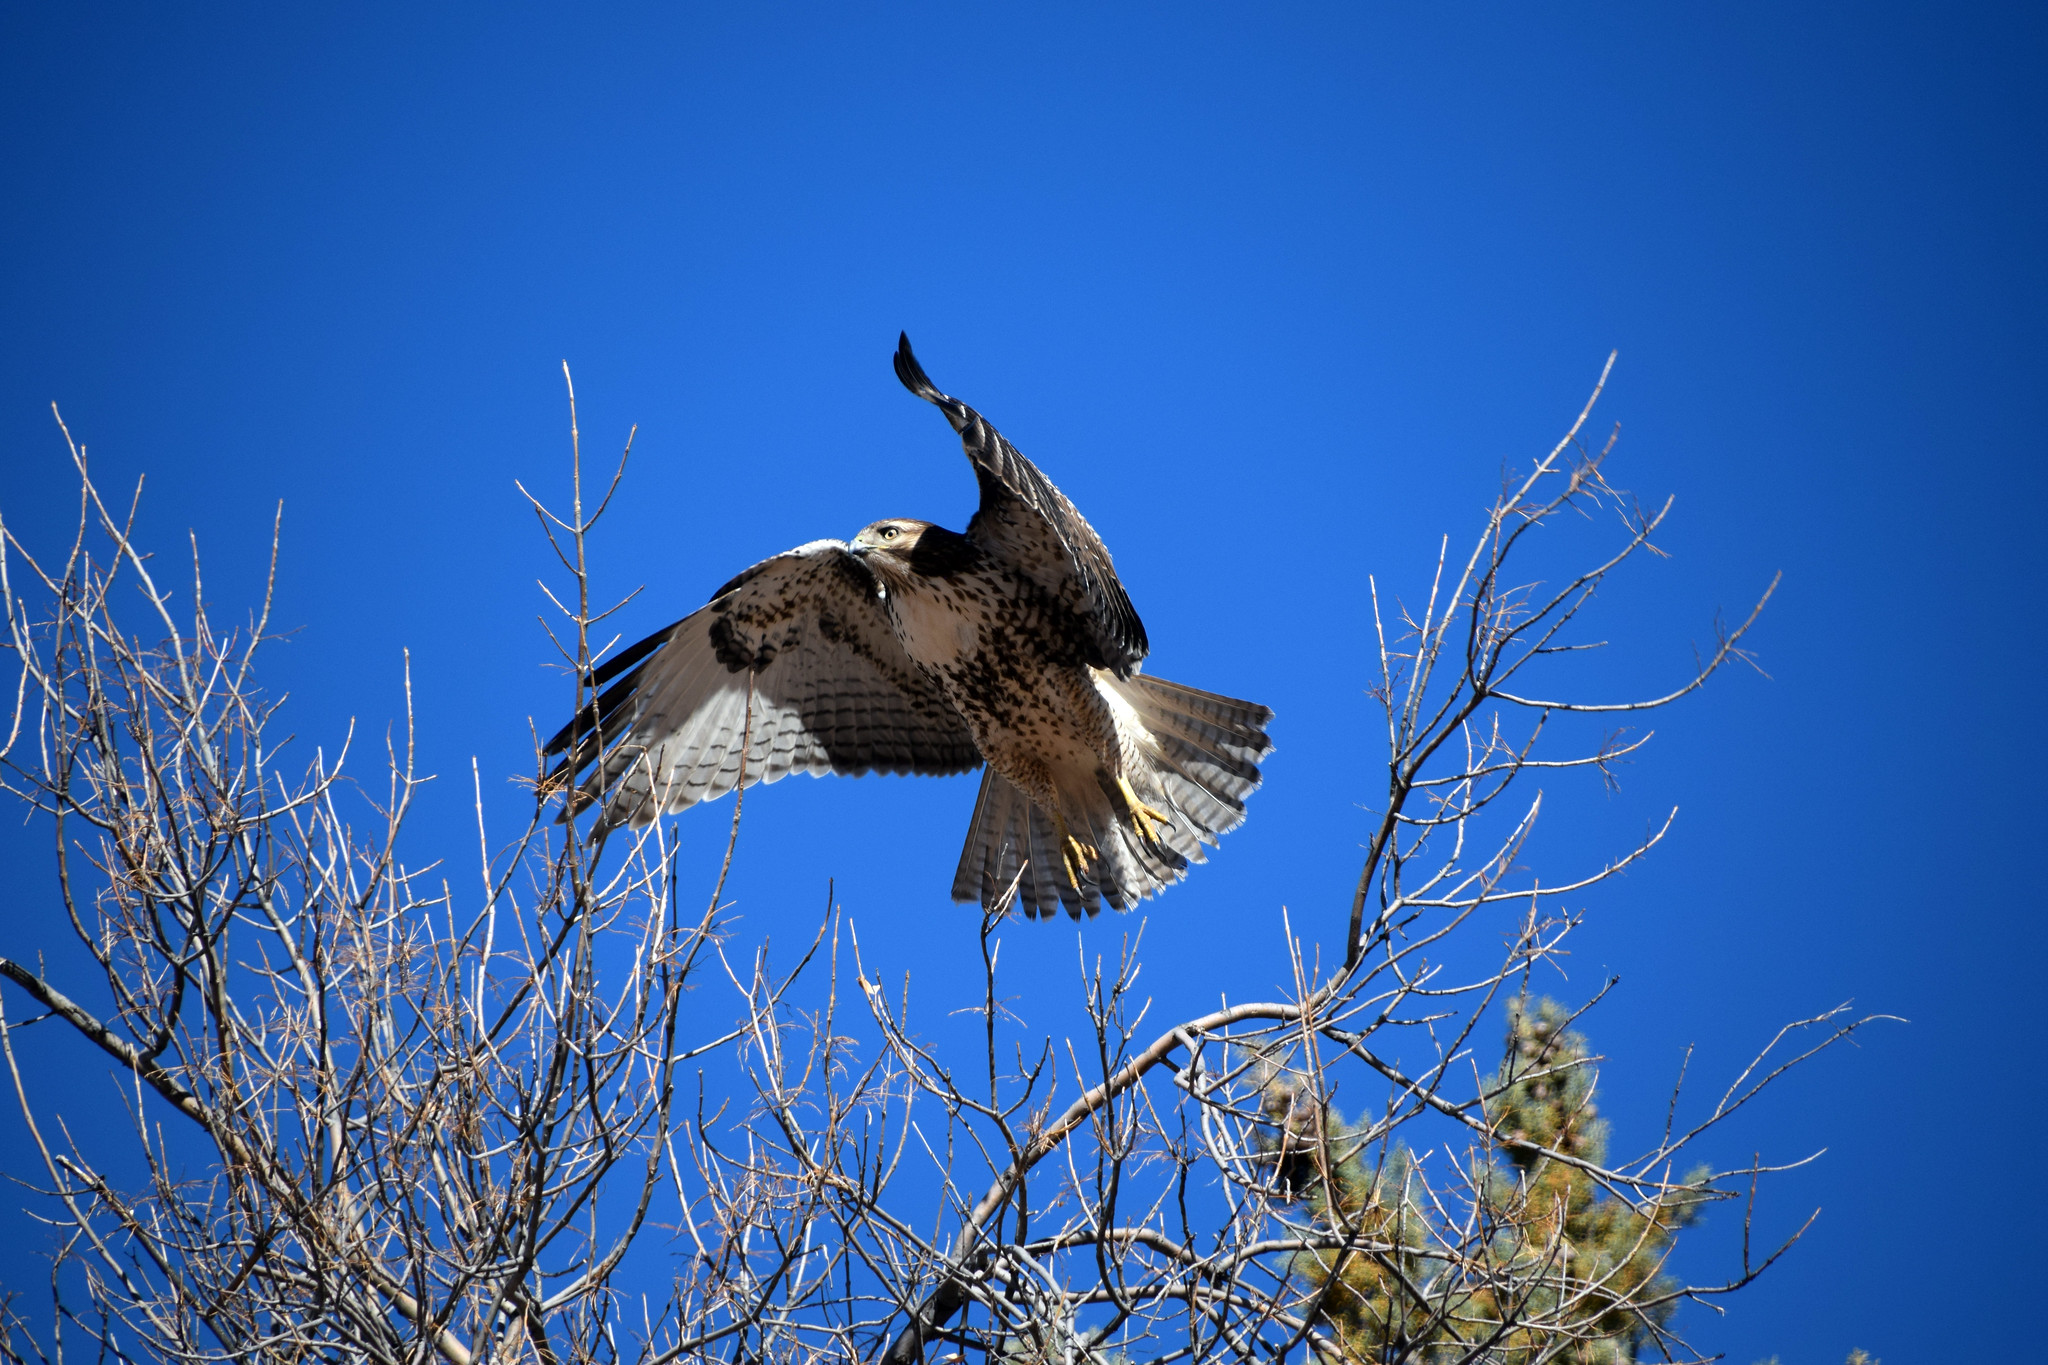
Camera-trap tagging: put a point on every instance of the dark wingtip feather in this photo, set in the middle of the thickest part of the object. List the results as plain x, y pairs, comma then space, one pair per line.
912, 374
580, 724
606, 706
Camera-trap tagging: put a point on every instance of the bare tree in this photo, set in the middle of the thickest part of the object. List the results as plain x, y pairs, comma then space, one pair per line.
466, 1119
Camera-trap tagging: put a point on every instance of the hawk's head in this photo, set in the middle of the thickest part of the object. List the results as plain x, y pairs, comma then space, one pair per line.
904, 545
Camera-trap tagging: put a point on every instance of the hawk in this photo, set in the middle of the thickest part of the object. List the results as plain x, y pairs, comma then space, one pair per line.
914, 649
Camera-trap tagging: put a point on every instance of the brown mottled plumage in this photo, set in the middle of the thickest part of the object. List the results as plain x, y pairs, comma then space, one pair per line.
915, 649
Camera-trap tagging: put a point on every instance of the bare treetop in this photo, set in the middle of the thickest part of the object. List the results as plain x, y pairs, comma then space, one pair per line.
467, 1118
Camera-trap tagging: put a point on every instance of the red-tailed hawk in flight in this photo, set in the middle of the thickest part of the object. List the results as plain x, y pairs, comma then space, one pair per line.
915, 649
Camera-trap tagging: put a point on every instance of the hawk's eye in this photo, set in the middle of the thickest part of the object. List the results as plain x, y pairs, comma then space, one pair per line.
889, 533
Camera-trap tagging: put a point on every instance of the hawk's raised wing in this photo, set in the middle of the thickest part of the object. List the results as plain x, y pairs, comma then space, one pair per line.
1028, 523
831, 691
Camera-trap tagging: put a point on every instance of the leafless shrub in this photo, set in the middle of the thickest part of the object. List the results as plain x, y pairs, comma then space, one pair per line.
466, 1118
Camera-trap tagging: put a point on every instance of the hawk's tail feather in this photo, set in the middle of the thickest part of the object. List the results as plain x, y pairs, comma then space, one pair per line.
1011, 843
1210, 747
1204, 766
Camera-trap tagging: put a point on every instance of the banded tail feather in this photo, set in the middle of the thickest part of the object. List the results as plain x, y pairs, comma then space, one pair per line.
1198, 768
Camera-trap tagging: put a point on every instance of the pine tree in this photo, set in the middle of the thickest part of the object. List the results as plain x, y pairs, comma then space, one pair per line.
1583, 1261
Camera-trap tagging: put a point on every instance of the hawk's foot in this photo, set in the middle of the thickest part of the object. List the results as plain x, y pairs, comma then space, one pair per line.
1075, 856
1148, 821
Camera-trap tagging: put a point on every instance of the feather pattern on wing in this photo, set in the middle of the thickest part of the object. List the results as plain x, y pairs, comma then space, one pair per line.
796, 654
1025, 520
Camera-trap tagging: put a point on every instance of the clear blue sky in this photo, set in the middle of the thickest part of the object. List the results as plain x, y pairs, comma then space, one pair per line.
1272, 292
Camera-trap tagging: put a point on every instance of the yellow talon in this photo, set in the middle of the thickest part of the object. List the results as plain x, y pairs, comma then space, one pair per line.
1148, 821
1075, 855
1076, 862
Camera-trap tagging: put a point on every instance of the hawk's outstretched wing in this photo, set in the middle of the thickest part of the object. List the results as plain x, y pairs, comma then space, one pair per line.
1027, 522
831, 691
